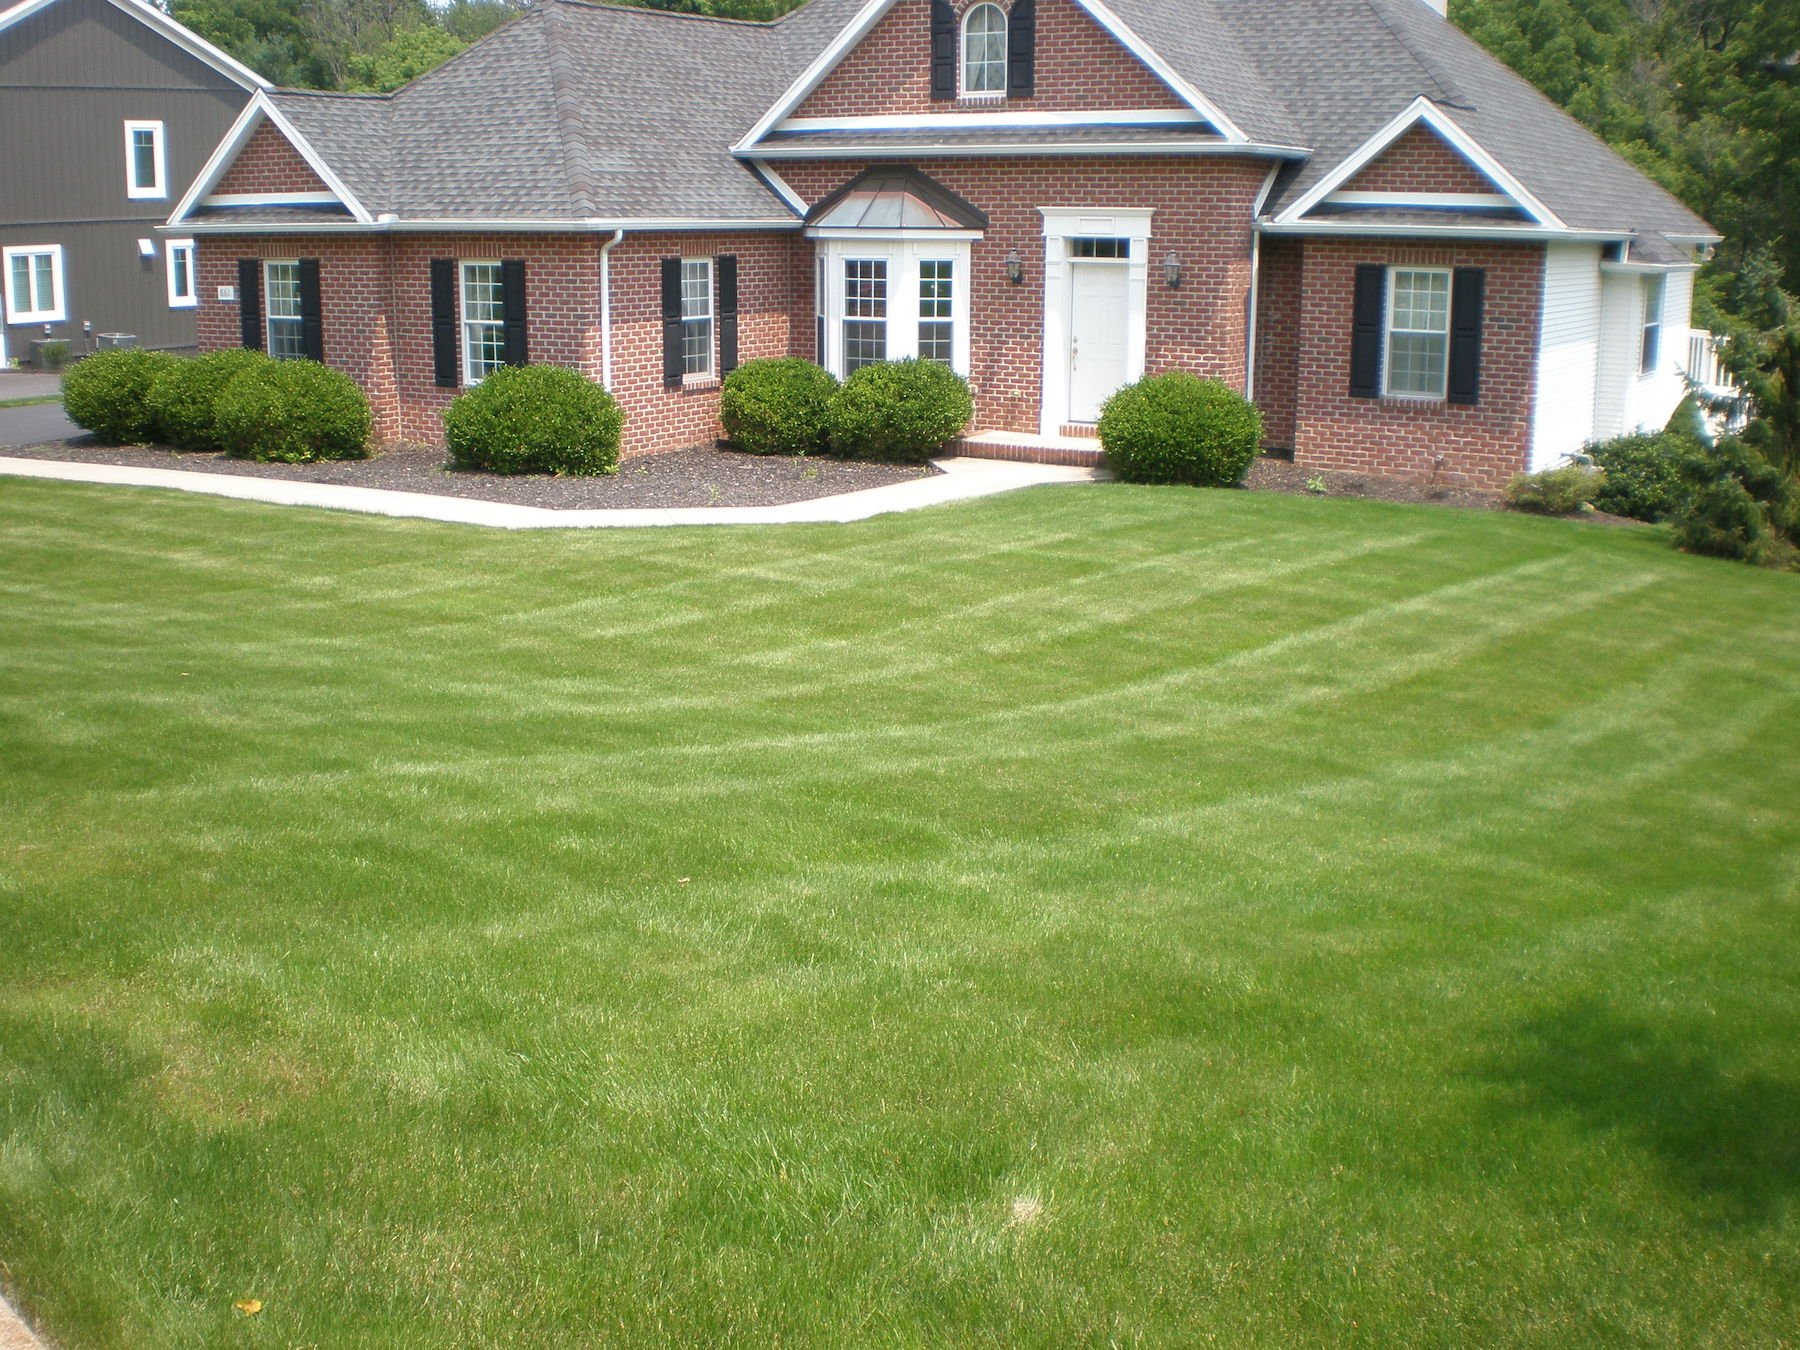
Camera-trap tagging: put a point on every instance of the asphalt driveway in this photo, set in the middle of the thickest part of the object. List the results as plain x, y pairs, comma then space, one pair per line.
35, 423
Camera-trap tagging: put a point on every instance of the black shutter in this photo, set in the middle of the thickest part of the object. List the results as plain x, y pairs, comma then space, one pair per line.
726, 267
312, 324
1365, 330
512, 302
250, 327
1467, 297
443, 323
1021, 49
671, 317
943, 50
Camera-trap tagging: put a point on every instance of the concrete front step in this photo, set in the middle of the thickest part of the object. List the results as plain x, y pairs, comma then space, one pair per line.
1079, 451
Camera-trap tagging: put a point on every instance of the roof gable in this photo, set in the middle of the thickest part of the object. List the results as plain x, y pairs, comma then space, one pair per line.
268, 164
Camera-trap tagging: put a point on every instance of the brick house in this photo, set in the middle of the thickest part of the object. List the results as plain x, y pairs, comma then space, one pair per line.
1412, 260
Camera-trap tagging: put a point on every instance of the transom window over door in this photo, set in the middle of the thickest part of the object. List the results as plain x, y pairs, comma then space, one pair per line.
1418, 347
696, 317
281, 290
865, 312
984, 52
483, 320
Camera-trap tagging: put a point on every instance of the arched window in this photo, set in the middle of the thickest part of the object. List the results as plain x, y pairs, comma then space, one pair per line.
984, 50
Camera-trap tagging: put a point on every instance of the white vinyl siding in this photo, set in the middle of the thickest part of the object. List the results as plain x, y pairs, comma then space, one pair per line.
1627, 398
34, 284
984, 52
146, 169
1568, 354
281, 310
178, 257
483, 317
1417, 360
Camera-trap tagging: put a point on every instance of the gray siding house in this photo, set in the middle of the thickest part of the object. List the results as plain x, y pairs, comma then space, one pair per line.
108, 108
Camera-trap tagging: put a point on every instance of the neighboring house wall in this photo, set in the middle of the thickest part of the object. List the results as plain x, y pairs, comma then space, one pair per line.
1419, 161
1079, 66
71, 75
269, 163
1481, 445
1568, 353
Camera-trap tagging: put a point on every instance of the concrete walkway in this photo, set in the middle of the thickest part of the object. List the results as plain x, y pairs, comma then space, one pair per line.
961, 480
14, 1334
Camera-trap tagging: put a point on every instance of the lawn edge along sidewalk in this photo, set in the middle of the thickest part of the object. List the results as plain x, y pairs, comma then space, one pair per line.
14, 1334
959, 480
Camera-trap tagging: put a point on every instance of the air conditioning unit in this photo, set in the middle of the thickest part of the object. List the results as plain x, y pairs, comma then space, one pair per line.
107, 341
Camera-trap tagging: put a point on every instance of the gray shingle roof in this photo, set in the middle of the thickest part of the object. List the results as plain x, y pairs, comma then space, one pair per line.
581, 111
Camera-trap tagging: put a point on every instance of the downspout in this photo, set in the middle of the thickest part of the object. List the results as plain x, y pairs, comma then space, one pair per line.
606, 380
1255, 270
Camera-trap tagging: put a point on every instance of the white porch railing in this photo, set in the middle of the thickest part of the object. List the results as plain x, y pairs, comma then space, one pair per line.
1726, 407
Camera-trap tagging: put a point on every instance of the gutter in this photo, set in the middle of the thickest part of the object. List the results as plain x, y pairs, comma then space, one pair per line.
1256, 210
606, 249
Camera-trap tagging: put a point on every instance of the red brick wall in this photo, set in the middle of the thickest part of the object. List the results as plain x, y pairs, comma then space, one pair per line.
1202, 213
1481, 445
269, 163
1420, 161
1278, 339
1079, 66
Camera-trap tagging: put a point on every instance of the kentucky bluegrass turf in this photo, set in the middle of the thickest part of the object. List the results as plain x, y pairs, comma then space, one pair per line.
1089, 916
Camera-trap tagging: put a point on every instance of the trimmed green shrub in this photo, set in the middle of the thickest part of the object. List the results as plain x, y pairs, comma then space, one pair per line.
898, 410
534, 419
184, 399
777, 406
1178, 428
109, 393
1739, 506
1566, 491
1643, 475
292, 412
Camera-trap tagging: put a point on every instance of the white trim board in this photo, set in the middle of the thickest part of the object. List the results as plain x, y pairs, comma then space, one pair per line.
962, 121
185, 38
886, 148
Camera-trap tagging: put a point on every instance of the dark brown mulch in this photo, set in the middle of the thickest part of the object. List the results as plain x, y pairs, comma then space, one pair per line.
1279, 475
696, 477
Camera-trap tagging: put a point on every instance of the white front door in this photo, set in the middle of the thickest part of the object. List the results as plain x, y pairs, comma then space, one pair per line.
1098, 331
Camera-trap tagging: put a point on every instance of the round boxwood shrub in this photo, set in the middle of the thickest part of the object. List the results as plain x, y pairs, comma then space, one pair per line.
109, 393
185, 397
898, 410
292, 412
1643, 475
534, 419
1178, 428
777, 406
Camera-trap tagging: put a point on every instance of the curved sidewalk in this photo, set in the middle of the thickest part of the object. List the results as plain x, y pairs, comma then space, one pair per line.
961, 480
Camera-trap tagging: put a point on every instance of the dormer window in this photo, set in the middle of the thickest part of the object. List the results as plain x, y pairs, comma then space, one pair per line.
984, 52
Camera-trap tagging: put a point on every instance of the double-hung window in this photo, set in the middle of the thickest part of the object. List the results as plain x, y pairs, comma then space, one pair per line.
1650, 347
937, 326
696, 318
282, 312
34, 284
865, 312
145, 166
179, 256
483, 320
984, 52
1418, 337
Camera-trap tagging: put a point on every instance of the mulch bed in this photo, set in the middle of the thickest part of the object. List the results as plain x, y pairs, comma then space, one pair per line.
696, 477
1268, 474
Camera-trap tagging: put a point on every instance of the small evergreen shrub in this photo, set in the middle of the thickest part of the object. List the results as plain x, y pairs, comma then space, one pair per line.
109, 393
534, 419
292, 412
777, 406
898, 410
1178, 428
1643, 475
1739, 506
1566, 491
185, 397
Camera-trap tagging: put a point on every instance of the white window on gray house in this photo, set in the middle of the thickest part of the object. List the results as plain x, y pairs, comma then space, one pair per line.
1418, 338
483, 321
696, 318
937, 327
865, 312
984, 52
1650, 348
34, 284
145, 167
281, 292
179, 255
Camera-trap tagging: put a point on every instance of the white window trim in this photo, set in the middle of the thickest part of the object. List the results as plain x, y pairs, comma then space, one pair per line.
192, 298
902, 254
469, 378
1387, 335
268, 311
14, 314
711, 374
962, 55
1659, 287
160, 188
1061, 224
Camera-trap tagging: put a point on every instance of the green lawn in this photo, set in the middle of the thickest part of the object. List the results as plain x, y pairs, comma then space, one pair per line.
1089, 916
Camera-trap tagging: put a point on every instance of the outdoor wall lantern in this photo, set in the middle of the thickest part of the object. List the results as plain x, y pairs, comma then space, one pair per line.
1015, 267
1172, 269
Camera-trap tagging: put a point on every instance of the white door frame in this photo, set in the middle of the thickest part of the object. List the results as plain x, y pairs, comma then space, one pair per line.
1061, 224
